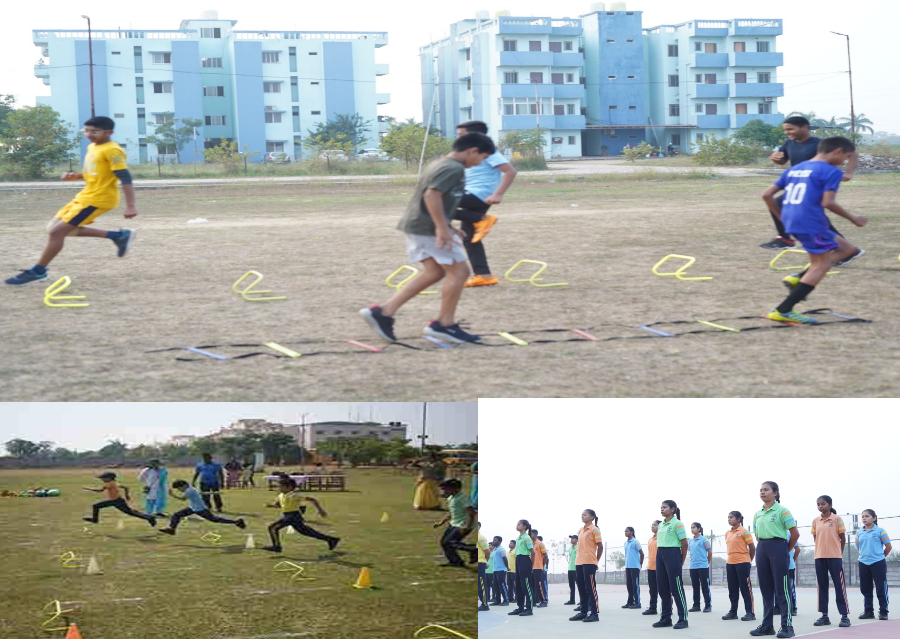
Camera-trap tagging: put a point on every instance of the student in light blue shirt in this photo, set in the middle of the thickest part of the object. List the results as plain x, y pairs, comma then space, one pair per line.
634, 559
701, 556
196, 506
486, 184
501, 565
874, 546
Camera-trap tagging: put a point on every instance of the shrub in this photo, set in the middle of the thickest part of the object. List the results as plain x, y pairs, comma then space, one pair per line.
642, 150
713, 151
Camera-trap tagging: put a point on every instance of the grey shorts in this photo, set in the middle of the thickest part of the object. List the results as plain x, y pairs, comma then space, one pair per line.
421, 247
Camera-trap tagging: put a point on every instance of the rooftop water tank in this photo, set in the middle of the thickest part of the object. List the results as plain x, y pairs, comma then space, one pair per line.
482, 15
598, 6
209, 14
617, 6
502, 14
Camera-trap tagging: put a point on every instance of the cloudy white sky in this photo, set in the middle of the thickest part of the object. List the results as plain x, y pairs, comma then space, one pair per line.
548, 460
813, 74
84, 426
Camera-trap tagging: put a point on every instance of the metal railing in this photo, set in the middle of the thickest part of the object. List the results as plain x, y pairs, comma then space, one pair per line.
310, 35
40, 36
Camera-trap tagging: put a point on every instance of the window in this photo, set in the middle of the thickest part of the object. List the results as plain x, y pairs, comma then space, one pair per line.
211, 33
698, 108
740, 78
712, 109
214, 92
630, 40
123, 146
632, 107
292, 59
138, 60
278, 147
698, 46
567, 46
468, 84
556, 140
765, 78
165, 149
710, 47
556, 47
559, 109
162, 58
534, 45
614, 137
676, 139
271, 87
740, 47
631, 77
117, 85
468, 54
215, 120
508, 109
571, 139
117, 53
142, 121
611, 77
613, 106
673, 50
510, 45
710, 78
673, 80
765, 107
162, 118
119, 116
315, 112
211, 63
273, 118
537, 77
570, 77
570, 109
674, 110
762, 47
270, 57
699, 137
609, 40
511, 77
740, 108
162, 87
313, 53
556, 78
699, 78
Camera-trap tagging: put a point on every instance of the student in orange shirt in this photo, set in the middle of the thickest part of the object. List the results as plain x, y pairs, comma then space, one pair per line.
651, 569
588, 553
114, 499
829, 533
741, 551
538, 567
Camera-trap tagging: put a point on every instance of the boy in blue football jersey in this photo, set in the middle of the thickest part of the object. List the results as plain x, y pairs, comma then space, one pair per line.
810, 188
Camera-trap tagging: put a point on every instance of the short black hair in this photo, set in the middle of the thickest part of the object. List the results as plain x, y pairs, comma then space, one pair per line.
498, 538
797, 120
474, 126
288, 481
452, 483
834, 143
179, 483
475, 141
101, 122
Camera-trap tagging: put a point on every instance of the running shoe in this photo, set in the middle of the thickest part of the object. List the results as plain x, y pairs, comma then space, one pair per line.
730, 615
381, 324
785, 632
759, 631
779, 243
882, 616
483, 608
452, 333
332, 543
483, 227
650, 611
707, 609
867, 615
695, 608
844, 262
125, 240
481, 280
792, 316
749, 617
845, 622
662, 624
682, 624
791, 281
26, 277
580, 616
240, 524
590, 618
167, 531
822, 621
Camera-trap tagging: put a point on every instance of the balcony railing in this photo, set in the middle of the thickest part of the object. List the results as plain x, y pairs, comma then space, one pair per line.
378, 36
42, 36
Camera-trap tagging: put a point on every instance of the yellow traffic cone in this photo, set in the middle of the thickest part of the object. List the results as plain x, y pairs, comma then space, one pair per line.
93, 567
364, 581
73, 632
385, 518
249, 545
120, 525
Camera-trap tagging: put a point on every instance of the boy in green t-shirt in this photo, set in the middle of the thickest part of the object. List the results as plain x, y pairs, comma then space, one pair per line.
431, 240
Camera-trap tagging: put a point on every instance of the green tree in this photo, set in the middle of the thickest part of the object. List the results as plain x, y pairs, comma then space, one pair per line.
113, 450
277, 446
863, 124
399, 450
526, 142
758, 132
35, 138
618, 559
64, 454
22, 448
175, 135
404, 142
638, 152
713, 151
350, 125
7, 106
226, 155
202, 446
323, 145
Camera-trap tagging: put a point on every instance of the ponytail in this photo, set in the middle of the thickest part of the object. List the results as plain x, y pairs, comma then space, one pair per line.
737, 515
828, 499
672, 504
872, 512
593, 514
527, 525
697, 524
774, 487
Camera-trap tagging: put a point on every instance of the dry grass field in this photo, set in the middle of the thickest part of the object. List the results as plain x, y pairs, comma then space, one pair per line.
329, 247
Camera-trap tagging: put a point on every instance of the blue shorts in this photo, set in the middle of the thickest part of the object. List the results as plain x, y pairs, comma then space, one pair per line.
817, 243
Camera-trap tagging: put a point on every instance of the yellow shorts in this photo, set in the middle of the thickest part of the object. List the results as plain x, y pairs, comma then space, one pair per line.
79, 214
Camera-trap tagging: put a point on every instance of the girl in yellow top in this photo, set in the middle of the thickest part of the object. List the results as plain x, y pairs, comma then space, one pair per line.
589, 550
511, 573
829, 533
741, 551
651, 569
289, 502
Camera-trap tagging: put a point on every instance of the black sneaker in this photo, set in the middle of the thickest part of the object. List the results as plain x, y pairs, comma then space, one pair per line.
635, 606
167, 531
867, 615
452, 333
844, 262
650, 611
90, 519
590, 618
785, 632
124, 241
731, 615
749, 617
759, 631
708, 608
515, 612
483, 608
822, 621
333, 542
543, 604
662, 624
682, 623
578, 617
526, 613
793, 613
882, 616
240, 524
505, 603
695, 608
272, 548
779, 243
383, 326
845, 622
152, 521
578, 607
568, 603
627, 606
26, 277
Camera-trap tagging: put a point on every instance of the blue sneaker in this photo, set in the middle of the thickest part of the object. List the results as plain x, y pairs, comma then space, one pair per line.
26, 277
125, 240
452, 333
382, 325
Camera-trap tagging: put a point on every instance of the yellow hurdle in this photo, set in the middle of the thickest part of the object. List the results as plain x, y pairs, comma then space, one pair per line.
282, 349
534, 278
792, 268
55, 614
418, 634
251, 288
53, 293
402, 282
678, 272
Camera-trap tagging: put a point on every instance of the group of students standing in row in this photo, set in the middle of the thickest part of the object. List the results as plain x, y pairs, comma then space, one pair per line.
775, 552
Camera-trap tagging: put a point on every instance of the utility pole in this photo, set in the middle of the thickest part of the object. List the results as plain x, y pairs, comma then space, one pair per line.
850, 74
90, 63
423, 436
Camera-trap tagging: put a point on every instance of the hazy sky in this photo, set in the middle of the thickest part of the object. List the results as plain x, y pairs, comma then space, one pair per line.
548, 460
84, 426
814, 72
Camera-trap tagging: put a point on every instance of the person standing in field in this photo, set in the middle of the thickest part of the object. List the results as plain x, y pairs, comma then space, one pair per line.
776, 531
701, 557
588, 553
212, 479
651, 569
874, 546
572, 551
524, 561
671, 551
501, 566
830, 534
741, 551
149, 476
511, 573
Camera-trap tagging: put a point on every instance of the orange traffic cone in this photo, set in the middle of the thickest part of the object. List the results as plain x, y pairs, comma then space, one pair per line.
73, 632
364, 581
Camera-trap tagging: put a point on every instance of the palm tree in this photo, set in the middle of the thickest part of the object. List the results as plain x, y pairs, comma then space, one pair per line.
863, 124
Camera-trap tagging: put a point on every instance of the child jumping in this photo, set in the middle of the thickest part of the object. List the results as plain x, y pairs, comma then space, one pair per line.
114, 493
196, 506
431, 239
810, 188
104, 165
289, 502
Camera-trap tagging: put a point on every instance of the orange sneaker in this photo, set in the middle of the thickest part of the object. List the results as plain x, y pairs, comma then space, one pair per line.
482, 280
483, 227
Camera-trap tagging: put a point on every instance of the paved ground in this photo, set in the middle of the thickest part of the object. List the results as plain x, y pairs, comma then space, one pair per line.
614, 622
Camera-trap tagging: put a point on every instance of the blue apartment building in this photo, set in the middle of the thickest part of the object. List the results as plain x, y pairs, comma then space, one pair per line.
262, 89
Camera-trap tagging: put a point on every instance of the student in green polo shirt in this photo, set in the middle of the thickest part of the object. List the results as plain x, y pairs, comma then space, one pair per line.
776, 531
524, 559
671, 551
460, 520
573, 550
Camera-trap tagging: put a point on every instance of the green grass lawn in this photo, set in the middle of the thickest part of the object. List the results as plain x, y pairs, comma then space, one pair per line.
155, 585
